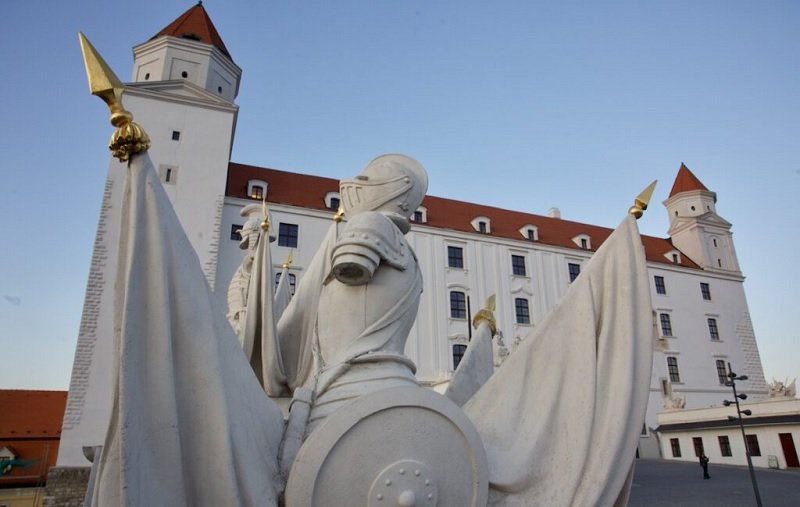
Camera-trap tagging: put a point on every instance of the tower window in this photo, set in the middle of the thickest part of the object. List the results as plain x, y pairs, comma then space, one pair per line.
184, 74
722, 372
713, 331
168, 175
176, 135
287, 235
458, 354
705, 290
672, 367
666, 324
147, 76
458, 305
219, 89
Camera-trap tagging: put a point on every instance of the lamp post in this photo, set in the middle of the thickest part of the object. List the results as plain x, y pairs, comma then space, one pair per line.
736, 397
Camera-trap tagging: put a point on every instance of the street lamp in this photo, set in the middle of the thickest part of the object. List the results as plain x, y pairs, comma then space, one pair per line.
736, 397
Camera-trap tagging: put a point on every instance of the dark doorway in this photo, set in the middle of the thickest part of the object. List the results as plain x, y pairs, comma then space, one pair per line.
789, 451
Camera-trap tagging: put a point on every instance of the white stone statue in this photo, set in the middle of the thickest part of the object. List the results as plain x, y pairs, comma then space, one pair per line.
240, 282
557, 424
778, 389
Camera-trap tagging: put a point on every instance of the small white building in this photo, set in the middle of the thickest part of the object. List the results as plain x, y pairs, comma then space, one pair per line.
772, 432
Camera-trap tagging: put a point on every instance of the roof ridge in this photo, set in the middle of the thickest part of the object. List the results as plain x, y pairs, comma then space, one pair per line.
195, 24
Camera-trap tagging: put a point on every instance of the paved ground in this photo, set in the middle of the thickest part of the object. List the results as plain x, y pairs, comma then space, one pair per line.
666, 484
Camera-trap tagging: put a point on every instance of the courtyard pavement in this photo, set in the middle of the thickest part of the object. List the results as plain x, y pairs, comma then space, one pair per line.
658, 483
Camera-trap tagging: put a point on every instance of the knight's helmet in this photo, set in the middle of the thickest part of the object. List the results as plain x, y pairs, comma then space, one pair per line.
392, 183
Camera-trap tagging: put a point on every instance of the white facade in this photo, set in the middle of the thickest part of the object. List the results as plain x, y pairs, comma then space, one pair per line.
194, 167
773, 430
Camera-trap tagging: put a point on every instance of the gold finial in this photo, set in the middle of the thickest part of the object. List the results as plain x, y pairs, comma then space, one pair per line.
265, 223
486, 314
339, 215
128, 138
289, 259
642, 200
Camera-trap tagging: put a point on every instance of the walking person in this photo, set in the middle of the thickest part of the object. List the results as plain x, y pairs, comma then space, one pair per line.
704, 464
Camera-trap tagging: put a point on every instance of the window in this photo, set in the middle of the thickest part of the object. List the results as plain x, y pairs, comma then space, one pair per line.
482, 224
458, 305
455, 257
660, 287
292, 281
236, 232
698, 446
676, 447
713, 331
574, 271
531, 235
522, 311
168, 175
334, 204
332, 200
676, 259
724, 445
752, 445
584, 243
705, 290
529, 232
176, 135
666, 324
458, 354
417, 217
722, 372
287, 235
256, 192
672, 367
482, 227
518, 265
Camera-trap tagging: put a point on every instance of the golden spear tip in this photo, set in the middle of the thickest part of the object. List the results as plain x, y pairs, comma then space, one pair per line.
289, 259
642, 200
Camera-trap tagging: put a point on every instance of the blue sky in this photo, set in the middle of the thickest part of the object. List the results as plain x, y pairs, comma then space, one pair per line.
522, 105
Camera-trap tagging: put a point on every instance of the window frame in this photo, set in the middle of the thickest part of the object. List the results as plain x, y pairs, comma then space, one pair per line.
518, 267
713, 329
753, 446
675, 444
660, 285
288, 235
705, 291
455, 261
673, 370
236, 232
724, 446
457, 356
722, 371
574, 271
665, 322
699, 448
458, 305
522, 311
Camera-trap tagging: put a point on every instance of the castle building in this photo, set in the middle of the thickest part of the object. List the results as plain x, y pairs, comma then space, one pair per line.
183, 88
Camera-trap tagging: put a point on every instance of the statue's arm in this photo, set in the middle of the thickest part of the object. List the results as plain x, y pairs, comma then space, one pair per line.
367, 239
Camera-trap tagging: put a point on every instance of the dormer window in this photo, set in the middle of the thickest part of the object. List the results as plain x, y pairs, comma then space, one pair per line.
583, 241
333, 200
530, 232
257, 189
420, 216
673, 256
482, 225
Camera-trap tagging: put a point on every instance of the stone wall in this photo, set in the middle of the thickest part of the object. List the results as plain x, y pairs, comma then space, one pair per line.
66, 486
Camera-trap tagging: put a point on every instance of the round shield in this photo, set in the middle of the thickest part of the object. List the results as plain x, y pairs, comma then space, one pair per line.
403, 446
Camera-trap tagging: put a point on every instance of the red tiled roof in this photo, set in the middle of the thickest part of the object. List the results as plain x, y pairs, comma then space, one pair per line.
307, 191
30, 427
686, 181
31, 414
196, 25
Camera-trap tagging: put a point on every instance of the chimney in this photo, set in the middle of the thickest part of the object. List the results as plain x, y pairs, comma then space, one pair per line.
554, 213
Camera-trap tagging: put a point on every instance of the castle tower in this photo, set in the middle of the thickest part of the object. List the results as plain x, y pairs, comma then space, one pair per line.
695, 227
184, 86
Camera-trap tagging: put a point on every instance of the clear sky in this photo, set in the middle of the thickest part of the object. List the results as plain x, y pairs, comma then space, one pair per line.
523, 105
